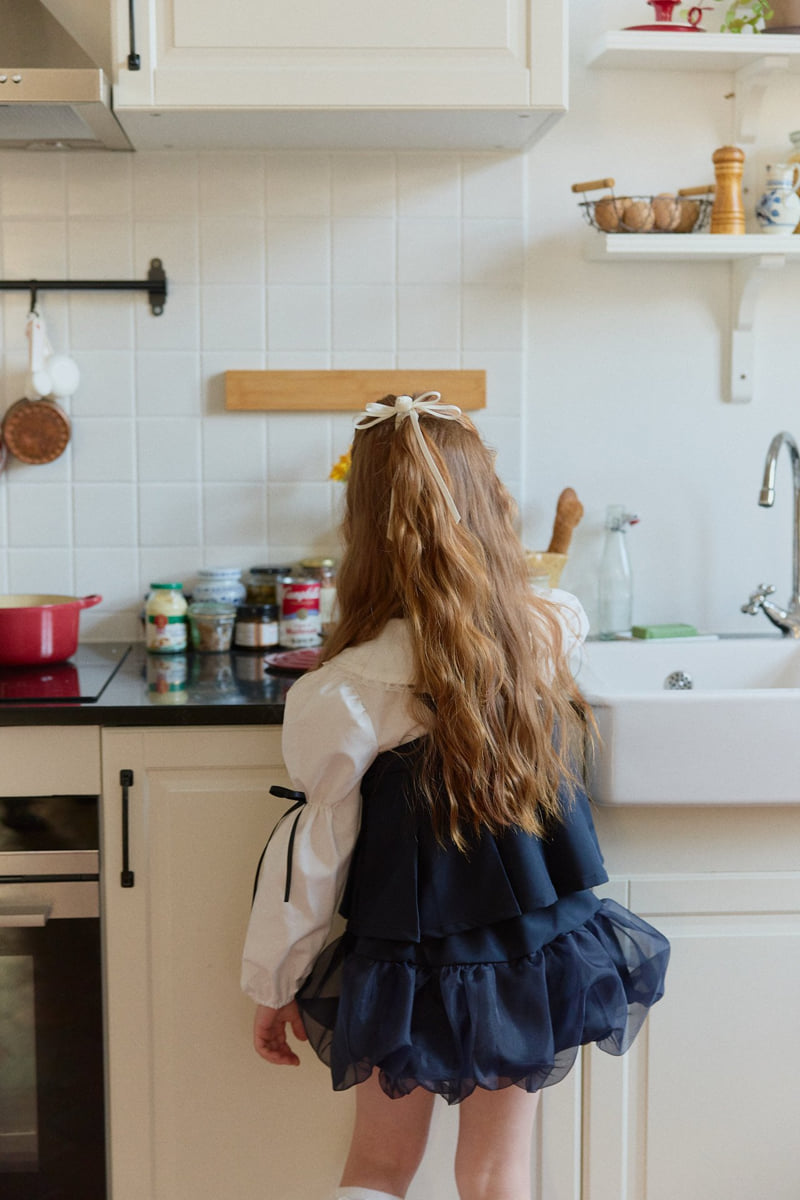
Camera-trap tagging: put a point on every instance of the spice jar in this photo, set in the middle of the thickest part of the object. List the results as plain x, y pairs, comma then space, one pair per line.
262, 584
223, 584
256, 627
211, 625
165, 619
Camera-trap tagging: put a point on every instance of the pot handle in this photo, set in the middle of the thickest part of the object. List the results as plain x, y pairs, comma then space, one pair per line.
89, 601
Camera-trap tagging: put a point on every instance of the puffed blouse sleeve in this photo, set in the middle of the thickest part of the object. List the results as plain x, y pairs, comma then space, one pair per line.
328, 743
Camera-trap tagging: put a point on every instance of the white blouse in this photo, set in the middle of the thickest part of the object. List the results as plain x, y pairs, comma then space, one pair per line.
337, 720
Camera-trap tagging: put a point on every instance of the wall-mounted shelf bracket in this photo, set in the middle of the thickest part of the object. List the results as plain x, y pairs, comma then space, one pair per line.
747, 276
752, 82
155, 285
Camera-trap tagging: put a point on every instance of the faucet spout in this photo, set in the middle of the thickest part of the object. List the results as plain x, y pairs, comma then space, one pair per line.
787, 621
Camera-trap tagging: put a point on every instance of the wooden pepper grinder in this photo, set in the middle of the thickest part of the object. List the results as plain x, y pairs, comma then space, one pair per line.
727, 211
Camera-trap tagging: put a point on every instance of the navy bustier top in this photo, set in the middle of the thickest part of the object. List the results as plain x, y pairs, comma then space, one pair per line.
404, 885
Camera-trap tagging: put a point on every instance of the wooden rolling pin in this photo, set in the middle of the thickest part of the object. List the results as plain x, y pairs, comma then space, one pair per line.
569, 511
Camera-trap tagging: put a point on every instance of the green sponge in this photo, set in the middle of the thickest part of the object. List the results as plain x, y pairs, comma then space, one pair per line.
663, 631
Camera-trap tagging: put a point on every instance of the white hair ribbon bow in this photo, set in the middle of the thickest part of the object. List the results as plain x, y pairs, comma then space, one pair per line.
406, 406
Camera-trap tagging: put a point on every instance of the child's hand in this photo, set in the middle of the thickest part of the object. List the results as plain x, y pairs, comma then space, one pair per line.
269, 1033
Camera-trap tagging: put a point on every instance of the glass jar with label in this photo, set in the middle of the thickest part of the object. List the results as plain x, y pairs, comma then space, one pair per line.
324, 569
165, 619
262, 584
256, 627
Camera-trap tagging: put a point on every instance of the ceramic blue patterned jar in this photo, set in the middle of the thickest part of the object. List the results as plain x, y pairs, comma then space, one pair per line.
221, 584
778, 210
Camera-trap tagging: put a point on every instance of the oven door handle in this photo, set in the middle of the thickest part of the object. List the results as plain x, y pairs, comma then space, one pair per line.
16, 916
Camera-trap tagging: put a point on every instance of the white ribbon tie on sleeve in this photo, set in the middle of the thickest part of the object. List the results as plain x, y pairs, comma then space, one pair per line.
405, 406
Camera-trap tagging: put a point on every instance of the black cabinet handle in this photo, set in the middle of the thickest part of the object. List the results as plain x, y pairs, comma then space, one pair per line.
126, 876
134, 60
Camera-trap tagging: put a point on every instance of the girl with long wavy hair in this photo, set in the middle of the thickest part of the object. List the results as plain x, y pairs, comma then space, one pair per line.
437, 755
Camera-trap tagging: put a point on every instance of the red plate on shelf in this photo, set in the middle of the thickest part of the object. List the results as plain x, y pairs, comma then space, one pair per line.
294, 661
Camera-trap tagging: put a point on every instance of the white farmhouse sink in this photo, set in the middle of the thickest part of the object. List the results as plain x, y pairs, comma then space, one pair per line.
733, 739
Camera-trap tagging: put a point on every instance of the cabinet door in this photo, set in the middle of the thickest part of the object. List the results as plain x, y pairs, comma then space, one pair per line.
193, 1112
705, 1104
354, 54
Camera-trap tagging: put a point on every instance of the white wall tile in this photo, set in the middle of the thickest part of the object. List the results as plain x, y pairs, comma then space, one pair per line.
165, 185
169, 514
491, 318
100, 248
168, 449
364, 317
364, 250
234, 512
298, 513
502, 435
32, 185
298, 185
231, 184
48, 573
104, 450
363, 185
39, 515
299, 447
298, 317
173, 564
100, 320
234, 448
57, 471
178, 326
35, 249
232, 250
175, 242
118, 571
167, 383
429, 185
106, 386
493, 252
428, 250
493, 185
504, 383
232, 318
428, 316
104, 514
298, 250
99, 184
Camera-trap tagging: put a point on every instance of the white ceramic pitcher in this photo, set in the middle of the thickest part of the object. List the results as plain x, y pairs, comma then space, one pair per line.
778, 210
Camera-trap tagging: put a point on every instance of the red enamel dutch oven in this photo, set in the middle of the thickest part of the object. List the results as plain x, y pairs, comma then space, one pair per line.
40, 629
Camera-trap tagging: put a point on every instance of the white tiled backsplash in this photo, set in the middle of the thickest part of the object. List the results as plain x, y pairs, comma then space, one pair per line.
283, 260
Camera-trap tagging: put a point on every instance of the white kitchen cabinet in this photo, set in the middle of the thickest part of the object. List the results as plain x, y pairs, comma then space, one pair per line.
194, 1114
705, 1104
362, 73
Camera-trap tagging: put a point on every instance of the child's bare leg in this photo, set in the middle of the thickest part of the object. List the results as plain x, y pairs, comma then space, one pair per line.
493, 1154
389, 1138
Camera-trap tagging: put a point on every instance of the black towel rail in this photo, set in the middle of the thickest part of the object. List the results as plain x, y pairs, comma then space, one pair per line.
155, 285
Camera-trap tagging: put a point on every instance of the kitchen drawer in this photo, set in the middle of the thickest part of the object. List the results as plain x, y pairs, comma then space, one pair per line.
47, 761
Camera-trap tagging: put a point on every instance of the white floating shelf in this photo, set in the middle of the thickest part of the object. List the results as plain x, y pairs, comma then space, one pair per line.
644, 51
689, 247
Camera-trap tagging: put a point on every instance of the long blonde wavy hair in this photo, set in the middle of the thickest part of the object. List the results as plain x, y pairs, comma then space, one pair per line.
506, 721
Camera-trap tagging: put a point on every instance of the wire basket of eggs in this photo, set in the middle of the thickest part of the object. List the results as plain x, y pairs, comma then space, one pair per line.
685, 211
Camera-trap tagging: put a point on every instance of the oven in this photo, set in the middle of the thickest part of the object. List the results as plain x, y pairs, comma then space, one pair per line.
52, 1124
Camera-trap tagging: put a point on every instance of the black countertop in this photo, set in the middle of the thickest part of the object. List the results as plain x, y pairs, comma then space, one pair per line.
123, 685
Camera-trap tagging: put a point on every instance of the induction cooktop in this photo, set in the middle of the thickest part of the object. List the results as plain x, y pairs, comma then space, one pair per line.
82, 679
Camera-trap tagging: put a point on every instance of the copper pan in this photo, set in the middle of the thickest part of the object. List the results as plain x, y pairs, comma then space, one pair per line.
36, 431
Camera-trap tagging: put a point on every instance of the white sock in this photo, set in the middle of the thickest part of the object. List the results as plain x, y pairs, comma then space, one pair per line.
359, 1193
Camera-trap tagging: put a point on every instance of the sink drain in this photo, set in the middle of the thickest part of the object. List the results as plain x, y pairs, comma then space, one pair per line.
678, 681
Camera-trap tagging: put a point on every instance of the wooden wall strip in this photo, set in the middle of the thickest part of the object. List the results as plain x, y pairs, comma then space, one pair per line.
346, 391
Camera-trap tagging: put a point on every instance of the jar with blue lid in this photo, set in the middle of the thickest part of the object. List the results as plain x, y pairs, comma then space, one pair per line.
222, 585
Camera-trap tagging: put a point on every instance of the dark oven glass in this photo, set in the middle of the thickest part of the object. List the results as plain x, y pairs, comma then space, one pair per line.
52, 1144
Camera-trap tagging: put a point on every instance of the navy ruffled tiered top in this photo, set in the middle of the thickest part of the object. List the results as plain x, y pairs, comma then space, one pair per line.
482, 969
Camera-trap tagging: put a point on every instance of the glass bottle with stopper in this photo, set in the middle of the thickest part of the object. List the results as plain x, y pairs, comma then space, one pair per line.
615, 593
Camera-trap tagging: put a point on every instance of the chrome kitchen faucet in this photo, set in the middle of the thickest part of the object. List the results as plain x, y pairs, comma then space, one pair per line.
787, 621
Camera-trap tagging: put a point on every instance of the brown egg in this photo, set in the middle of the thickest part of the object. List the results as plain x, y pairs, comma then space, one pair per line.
608, 212
666, 212
638, 216
690, 211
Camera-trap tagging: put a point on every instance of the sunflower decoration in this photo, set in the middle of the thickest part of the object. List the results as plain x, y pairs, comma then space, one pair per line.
341, 468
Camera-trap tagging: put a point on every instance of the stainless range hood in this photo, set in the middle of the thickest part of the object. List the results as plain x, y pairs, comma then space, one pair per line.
52, 96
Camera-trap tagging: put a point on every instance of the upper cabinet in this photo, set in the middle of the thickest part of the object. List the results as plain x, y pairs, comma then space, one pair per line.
367, 74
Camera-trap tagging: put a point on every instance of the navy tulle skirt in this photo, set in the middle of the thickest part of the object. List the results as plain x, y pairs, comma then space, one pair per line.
507, 1003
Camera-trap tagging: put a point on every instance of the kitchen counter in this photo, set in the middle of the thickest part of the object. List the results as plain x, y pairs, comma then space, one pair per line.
129, 687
